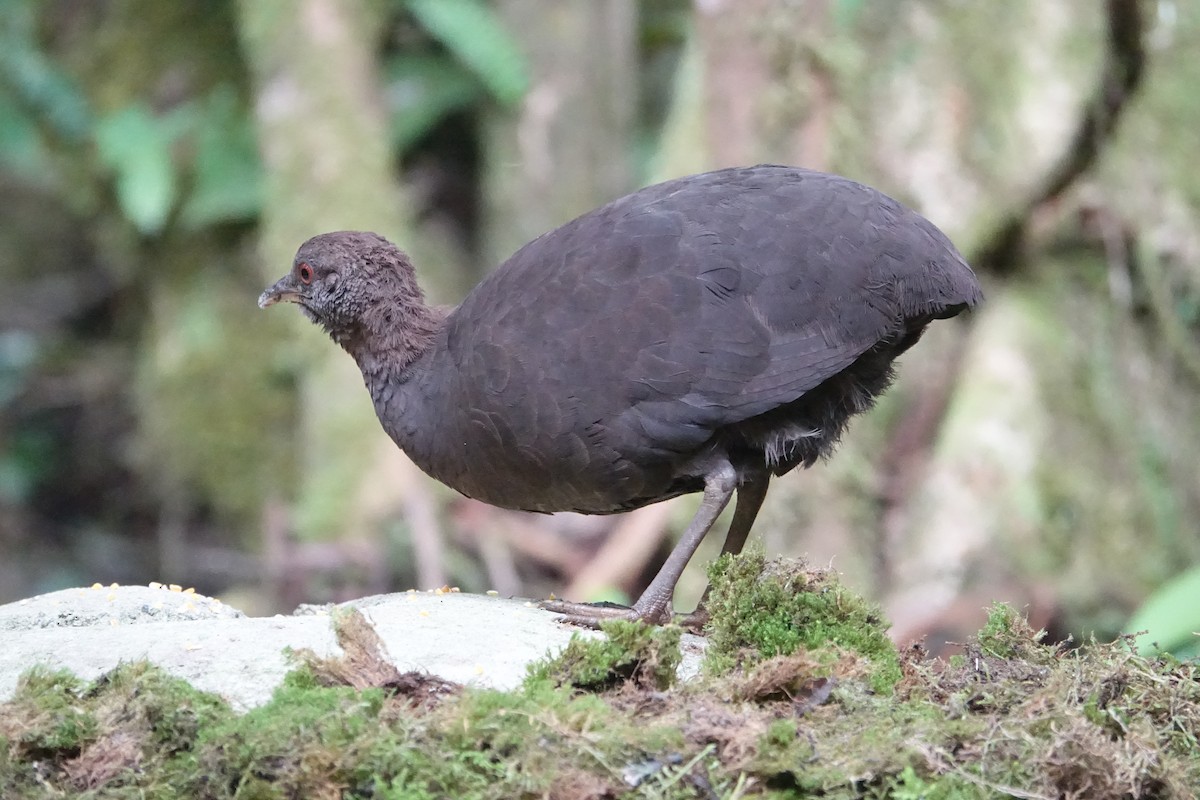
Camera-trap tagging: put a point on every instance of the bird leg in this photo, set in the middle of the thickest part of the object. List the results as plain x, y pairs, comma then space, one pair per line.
750, 496
654, 606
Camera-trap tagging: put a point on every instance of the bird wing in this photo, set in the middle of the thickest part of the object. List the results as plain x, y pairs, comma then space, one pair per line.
795, 282
641, 328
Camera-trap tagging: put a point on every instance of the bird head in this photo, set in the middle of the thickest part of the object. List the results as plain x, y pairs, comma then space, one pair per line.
339, 279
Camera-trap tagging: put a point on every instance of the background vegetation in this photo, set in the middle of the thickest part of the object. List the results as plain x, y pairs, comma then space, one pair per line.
160, 162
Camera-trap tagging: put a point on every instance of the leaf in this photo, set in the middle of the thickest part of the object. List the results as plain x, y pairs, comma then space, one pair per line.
136, 146
228, 173
36, 79
1171, 615
421, 91
475, 35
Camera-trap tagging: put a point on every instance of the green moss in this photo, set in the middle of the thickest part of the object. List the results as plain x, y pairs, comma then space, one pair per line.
1007, 638
524, 743
303, 676
1001, 634
874, 738
759, 611
134, 721
55, 723
1100, 721
909, 785
646, 654
302, 740
171, 711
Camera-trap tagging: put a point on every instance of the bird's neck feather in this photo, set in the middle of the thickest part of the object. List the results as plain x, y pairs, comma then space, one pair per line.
390, 335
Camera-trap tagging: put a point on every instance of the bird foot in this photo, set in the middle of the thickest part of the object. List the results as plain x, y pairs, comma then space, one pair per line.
694, 622
590, 615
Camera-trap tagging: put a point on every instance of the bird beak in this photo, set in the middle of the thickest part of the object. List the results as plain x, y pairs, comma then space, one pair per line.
284, 290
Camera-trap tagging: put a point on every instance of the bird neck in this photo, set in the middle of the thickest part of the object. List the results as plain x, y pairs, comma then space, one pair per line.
389, 337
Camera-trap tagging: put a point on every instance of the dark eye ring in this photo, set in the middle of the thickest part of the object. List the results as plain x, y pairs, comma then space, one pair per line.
306, 274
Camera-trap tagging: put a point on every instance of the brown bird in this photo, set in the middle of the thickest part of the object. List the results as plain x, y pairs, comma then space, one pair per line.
701, 335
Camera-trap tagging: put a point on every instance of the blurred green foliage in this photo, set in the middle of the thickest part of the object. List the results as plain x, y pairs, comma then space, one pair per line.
38, 88
135, 121
198, 158
474, 35
136, 145
228, 172
468, 61
1171, 618
422, 90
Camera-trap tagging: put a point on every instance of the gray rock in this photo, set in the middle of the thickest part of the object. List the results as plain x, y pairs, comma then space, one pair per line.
111, 605
471, 639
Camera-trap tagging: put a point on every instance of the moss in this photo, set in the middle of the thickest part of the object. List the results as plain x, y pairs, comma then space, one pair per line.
1005, 633
1013, 716
132, 721
630, 651
305, 739
52, 723
909, 785
758, 612
524, 743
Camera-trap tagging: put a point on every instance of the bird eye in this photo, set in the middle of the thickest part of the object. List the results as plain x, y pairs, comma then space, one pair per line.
306, 274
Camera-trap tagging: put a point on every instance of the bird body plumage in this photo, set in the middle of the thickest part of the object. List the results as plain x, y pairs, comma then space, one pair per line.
598, 362
699, 334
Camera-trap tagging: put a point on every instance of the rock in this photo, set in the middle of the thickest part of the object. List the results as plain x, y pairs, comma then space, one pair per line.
470, 639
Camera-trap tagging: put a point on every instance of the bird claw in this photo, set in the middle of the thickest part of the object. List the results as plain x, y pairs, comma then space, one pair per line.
694, 622
591, 615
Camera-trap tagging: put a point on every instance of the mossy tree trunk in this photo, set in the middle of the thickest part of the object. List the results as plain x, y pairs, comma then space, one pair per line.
568, 147
328, 167
212, 449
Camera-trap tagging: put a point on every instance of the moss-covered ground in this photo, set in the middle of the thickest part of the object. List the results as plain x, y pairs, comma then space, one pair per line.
801, 696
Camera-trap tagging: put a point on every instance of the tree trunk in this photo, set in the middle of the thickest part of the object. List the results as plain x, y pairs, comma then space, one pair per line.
329, 167
568, 147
